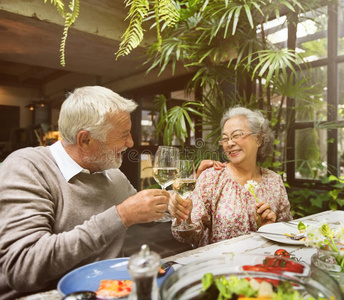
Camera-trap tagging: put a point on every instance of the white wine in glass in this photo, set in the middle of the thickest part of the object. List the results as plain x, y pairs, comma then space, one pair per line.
165, 176
183, 186
165, 169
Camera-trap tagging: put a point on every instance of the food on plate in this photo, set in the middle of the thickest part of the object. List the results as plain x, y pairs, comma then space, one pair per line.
298, 236
111, 288
277, 265
161, 271
301, 227
235, 288
282, 252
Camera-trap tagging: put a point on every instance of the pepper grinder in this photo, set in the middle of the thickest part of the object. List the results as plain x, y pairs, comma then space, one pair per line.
143, 268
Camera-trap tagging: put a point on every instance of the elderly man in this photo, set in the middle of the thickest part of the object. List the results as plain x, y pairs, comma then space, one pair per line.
68, 204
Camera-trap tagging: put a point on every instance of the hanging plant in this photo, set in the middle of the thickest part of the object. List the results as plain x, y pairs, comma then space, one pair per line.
69, 18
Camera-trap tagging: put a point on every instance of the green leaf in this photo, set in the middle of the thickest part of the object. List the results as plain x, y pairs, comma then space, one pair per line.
301, 226
133, 35
249, 15
334, 194
317, 202
333, 205
207, 281
69, 19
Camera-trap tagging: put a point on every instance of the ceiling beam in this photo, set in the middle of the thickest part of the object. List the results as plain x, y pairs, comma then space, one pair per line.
105, 18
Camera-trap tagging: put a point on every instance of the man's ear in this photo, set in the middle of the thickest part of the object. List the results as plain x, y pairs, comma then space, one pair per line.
84, 139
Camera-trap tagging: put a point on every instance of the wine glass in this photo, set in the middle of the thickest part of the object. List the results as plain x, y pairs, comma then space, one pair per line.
165, 169
183, 186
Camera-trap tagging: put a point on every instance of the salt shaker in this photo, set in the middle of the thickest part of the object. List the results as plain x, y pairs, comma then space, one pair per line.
143, 268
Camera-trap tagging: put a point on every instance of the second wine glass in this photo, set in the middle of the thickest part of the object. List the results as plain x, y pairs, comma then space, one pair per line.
183, 186
165, 169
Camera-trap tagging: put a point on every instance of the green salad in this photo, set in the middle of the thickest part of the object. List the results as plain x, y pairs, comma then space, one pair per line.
235, 288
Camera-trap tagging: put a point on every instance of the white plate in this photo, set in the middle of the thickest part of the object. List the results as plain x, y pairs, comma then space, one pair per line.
280, 228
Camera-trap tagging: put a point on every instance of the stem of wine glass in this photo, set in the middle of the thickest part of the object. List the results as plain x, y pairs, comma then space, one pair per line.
184, 221
166, 217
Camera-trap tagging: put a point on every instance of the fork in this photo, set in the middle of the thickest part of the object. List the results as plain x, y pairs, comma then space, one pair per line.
167, 265
296, 237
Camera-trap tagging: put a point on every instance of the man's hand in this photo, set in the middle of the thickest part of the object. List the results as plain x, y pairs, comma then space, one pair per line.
207, 163
144, 207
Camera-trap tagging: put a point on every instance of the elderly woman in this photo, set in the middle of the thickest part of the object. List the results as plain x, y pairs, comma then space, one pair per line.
221, 206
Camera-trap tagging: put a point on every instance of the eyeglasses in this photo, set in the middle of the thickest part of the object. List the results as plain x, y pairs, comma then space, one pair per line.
235, 137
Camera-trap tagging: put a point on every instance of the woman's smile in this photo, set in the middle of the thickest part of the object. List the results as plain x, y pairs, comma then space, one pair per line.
234, 152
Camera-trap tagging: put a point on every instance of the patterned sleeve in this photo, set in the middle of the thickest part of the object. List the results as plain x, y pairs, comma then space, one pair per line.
201, 211
274, 192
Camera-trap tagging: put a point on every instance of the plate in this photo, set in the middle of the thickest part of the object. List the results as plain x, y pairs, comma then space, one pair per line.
280, 228
88, 277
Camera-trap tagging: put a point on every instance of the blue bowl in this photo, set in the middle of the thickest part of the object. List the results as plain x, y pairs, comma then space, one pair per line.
88, 277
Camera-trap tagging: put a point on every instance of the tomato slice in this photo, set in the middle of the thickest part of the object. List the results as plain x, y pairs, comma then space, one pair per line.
255, 268
293, 266
276, 265
283, 253
273, 262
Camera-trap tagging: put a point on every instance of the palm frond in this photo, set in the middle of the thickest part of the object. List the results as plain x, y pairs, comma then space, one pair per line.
59, 6
170, 52
168, 13
175, 121
69, 17
133, 35
271, 62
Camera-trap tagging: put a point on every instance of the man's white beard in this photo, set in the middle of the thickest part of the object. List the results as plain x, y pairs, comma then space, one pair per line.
106, 159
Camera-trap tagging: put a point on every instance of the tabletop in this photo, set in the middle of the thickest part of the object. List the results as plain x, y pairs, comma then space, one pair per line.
253, 242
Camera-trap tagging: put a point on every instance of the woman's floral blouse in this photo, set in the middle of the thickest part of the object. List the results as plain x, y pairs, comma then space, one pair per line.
223, 209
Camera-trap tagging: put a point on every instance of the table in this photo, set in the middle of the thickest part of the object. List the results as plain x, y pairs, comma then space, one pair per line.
249, 243
255, 243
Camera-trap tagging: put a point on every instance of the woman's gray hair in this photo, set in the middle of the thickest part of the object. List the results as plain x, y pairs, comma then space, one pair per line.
258, 125
89, 108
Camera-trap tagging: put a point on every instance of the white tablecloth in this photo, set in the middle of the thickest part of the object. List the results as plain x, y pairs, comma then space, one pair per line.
250, 243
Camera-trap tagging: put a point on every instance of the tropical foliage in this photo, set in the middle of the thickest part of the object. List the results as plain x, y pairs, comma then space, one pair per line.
226, 44
175, 121
310, 200
69, 17
143, 10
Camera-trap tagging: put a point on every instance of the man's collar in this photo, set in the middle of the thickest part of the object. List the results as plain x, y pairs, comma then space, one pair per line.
68, 167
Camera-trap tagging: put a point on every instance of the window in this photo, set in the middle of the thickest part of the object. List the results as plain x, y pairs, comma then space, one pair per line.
315, 142
148, 128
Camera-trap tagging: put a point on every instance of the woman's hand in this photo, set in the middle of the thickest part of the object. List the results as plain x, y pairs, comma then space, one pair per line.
179, 208
207, 163
267, 216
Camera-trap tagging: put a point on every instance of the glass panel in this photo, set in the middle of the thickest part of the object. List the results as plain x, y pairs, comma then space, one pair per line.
146, 164
341, 27
341, 151
311, 104
276, 32
340, 91
312, 35
310, 153
148, 128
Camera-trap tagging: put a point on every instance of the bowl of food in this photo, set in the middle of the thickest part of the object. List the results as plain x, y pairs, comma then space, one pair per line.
107, 279
253, 276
